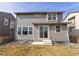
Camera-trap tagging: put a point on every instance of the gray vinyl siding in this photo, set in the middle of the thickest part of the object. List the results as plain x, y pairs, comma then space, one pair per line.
5, 30
27, 20
58, 36
53, 35
60, 17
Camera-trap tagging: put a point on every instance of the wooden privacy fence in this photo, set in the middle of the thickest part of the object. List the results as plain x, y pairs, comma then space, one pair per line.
74, 39
5, 39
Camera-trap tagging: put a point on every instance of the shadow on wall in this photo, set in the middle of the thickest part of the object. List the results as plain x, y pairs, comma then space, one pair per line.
6, 39
74, 35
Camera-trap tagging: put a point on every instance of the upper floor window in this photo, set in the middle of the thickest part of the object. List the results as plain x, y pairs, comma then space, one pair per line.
49, 17
58, 28
54, 16
6, 21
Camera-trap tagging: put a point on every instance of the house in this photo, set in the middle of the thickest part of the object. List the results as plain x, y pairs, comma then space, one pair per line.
43, 27
73, 17
7, 27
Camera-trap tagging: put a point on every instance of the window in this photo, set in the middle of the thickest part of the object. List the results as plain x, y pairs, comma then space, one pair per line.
19, 30
25, 30
49, 17
57, 28
30, 30
6, 21
12, 25
54, 16
43, 32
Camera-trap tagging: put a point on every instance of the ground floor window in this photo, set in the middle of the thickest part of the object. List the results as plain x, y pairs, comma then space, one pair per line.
43, 32
25, 30
30, 30
58, 29
19, 30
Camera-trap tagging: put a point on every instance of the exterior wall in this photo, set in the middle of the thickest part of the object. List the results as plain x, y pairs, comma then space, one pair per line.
36, 34
75, 30
76, 19
74, 33
5, 30
53, 35
6, 33
70, 16
27, 20
59, 36
59, 18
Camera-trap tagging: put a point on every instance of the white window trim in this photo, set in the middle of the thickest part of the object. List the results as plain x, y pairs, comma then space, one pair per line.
60, 29
28, 30
22, 30
17, 30
47, 18
52, 18
56, 17
39, 31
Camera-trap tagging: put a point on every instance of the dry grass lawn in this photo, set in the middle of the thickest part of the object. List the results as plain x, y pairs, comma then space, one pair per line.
38, 50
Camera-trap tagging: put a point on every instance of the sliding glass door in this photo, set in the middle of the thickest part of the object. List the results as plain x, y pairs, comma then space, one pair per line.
43, 31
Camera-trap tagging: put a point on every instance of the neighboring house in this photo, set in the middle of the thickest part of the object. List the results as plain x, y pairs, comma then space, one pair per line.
41, 26
7, 27
73, 17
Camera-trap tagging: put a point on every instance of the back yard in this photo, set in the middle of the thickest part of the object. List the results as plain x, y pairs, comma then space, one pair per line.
38, 50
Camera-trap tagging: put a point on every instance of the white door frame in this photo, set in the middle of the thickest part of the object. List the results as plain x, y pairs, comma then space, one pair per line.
39, 31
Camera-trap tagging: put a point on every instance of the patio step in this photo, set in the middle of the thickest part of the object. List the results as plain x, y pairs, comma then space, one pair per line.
44, 42
47, 42
37, 43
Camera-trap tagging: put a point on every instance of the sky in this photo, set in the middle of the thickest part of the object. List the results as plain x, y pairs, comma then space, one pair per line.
39, 6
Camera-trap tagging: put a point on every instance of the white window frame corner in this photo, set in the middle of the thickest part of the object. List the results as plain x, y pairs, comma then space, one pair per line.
39, 32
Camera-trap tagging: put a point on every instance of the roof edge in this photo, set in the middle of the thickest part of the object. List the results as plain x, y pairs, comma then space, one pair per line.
39, 12
71, 13
52, 23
